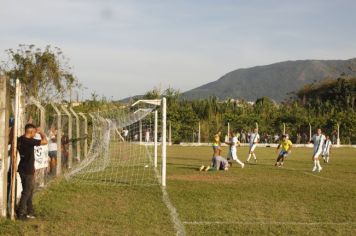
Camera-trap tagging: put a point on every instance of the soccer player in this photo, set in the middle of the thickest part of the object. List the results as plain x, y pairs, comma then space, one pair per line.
217, 144
254, 139
233, 142
318, 140
217, 163
220, 163
326, 149
286, 145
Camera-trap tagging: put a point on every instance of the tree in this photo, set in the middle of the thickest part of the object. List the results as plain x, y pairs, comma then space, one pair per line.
155, 93
44, 74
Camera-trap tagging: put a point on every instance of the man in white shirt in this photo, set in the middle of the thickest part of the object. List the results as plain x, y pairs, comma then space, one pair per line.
233, 142
318, 140
326, 149
254, 139
125, 132
147, 136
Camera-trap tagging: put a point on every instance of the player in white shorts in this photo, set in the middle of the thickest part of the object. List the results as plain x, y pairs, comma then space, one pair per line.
326, 149
233, 142
254, 139
318, 140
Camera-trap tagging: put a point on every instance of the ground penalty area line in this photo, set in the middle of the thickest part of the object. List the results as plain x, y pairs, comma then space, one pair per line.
264, 223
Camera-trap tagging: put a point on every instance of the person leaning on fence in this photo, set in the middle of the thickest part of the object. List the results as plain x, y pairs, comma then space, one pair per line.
52, 151
26, 169
64, 150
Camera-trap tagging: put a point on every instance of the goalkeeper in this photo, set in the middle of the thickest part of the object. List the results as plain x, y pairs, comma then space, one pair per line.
217, 163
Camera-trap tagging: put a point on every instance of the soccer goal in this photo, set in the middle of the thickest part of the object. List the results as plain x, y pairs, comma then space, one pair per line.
124, 148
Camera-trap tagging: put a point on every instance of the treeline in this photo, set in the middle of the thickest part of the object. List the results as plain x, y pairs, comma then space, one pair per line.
323, 105
47, 76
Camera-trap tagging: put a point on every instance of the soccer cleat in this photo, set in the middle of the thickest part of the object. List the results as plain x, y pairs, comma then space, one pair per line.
31, 216
201, 168
314, 169
22, 217
320, 169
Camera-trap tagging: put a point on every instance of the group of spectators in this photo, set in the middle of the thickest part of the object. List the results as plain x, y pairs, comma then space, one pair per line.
26, 144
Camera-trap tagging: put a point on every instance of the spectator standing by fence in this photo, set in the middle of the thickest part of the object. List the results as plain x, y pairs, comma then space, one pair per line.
26, 168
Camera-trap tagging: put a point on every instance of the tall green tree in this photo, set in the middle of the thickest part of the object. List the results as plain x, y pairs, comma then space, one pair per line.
45, 74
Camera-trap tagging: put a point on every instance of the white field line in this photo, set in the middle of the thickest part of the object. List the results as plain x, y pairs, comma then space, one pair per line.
265, 223
315, 174
325, 178
320, 177
178, 225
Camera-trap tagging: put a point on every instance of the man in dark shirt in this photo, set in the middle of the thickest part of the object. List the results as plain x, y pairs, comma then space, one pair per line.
26, 168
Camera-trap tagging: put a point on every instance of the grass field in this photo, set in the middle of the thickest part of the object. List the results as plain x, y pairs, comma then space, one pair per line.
257, 200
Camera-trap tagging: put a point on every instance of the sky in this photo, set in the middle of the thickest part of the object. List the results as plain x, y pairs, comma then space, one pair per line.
121, 48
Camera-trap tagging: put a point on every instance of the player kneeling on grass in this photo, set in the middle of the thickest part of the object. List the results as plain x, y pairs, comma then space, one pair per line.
326, 149
318, 140
233, 142
286, 145
217, 163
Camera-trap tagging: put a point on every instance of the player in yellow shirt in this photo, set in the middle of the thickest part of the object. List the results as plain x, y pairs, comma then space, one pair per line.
286, 147
217, 144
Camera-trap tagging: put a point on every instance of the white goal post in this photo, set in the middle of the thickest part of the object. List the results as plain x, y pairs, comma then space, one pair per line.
163, 104
124, 146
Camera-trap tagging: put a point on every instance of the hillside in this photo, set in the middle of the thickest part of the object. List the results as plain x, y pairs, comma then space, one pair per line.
274, 81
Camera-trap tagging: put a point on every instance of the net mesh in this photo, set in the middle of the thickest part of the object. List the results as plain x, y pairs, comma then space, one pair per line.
121, 150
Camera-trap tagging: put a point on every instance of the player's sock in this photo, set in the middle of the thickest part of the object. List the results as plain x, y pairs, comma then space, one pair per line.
314, 168
254, 156
238, 161
248, 158
318, 164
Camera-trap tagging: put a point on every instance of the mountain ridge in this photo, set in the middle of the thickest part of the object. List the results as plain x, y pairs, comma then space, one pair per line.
275, 80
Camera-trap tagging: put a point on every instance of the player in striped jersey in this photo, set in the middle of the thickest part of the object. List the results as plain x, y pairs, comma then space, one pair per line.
326, 149
318, 140
233, 143
254, 139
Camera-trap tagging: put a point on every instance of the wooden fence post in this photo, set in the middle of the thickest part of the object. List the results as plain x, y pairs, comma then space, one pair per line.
4, 142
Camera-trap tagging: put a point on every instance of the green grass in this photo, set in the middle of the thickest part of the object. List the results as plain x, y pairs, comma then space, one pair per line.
257, 200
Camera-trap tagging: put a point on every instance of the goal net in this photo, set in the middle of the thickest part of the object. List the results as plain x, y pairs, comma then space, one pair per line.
124, 148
